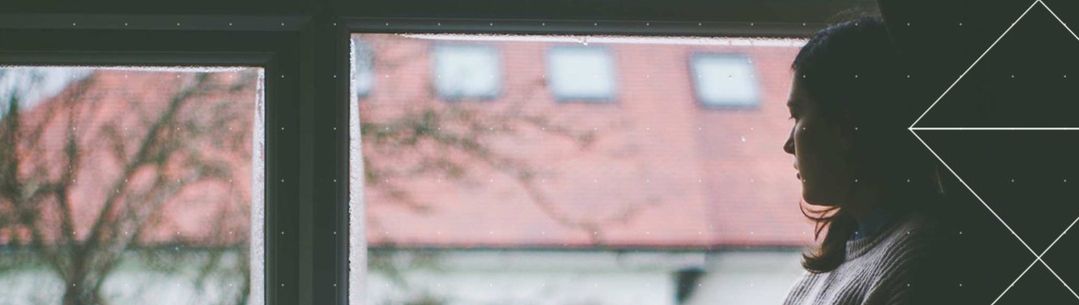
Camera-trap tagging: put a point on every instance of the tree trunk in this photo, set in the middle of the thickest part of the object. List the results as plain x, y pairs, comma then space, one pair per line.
82, 287
81, 294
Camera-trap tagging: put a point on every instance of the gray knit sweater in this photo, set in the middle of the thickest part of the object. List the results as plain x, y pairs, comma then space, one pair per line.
876, 270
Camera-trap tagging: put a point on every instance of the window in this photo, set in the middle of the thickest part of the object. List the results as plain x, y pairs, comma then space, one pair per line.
467, 72
149, 179
301, 225
363, 76
529, 199
724, 80
581, 73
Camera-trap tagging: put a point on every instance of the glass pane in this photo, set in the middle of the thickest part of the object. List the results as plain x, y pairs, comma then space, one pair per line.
529, 200
130, 186
363, 71
466, 71
724, 80
581, 73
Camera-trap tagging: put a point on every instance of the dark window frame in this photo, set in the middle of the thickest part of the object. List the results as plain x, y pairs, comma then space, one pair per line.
284, 86
308, 41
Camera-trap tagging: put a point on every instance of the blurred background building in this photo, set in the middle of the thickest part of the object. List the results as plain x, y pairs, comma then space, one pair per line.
497, 170
612, 170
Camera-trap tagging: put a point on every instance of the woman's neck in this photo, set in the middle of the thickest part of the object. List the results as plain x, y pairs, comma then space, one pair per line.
872, 223
870, 213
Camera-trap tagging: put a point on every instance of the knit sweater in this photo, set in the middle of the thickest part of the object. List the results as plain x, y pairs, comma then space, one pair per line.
876, 271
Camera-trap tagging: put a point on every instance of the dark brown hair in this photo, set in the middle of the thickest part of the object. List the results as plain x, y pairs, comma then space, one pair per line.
857, 78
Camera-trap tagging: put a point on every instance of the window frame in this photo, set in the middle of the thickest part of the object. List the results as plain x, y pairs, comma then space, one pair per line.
522, 26
284, 86
308, 42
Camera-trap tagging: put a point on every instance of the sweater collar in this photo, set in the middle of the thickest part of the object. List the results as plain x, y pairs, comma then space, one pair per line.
880, 227
874, 222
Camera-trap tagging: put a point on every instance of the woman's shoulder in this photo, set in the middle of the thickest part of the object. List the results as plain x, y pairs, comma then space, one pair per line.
919, 225
909, 259
913, 236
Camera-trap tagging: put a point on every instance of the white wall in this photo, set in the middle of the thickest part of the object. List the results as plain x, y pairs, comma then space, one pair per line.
750, 277
531, 288
588, 278
133, 282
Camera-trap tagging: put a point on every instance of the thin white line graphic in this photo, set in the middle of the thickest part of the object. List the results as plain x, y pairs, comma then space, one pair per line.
996, 128
913, 130
1037, 256
975, 62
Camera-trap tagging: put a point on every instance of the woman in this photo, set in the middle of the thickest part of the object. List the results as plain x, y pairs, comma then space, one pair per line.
869, 184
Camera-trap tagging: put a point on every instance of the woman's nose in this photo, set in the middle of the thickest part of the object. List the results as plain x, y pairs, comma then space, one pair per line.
789, 145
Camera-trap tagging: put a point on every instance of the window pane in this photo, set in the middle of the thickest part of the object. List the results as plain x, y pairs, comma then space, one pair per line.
363, 78
467, 71
130, 186
724, 80
581, 73
534, 201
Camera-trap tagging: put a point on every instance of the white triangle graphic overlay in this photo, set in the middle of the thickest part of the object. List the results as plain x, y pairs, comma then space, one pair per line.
914, 130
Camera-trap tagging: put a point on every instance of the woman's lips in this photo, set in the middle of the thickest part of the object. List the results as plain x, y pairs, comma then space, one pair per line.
799, 175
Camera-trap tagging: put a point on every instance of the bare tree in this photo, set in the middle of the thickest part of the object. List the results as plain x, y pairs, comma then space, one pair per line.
38, 174
428, 137
159, 152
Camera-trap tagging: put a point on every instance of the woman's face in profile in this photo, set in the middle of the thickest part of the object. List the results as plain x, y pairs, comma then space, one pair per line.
819, 148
